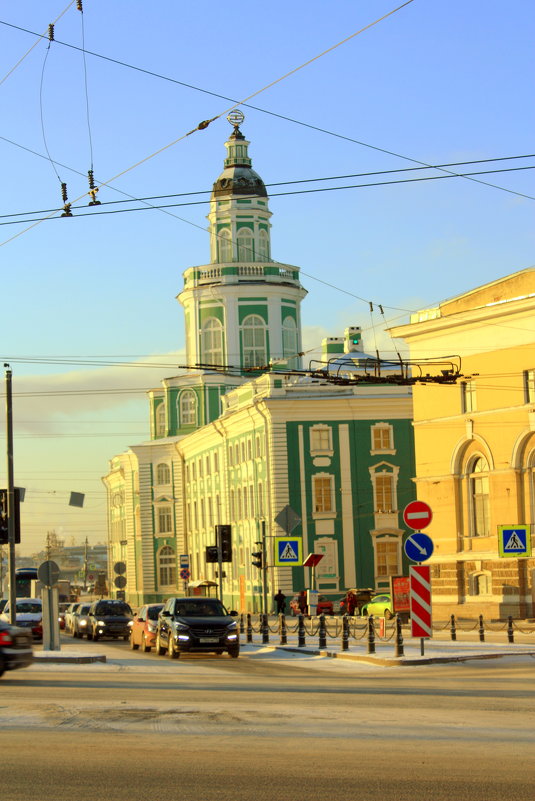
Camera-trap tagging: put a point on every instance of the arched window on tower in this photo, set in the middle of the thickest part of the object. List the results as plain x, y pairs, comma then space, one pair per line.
245, 244
224, 245
160, 420
479, 497
188, 408
263, 246
254, 341
212, 342
289, 341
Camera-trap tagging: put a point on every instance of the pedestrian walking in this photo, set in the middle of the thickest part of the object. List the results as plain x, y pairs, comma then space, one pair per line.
280, 600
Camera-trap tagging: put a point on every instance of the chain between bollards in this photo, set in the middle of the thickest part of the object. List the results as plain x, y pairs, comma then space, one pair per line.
301, 632
398, 647
345, 633
371, 635
453, 630
283, 630
249, 628
510, 630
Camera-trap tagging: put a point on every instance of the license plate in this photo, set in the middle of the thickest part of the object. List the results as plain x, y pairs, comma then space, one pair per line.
208, 639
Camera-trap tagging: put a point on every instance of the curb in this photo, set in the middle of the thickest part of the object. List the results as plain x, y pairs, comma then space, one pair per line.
401, 661
76, 660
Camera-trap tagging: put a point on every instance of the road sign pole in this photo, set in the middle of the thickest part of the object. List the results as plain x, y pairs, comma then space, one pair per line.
264, 570
10, 501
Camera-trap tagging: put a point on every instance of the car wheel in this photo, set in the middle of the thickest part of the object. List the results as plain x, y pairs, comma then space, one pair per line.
95, 636
89, 635
172, 652
388, 614
144, 647
234, 652
160, 650
133, 645
219, 652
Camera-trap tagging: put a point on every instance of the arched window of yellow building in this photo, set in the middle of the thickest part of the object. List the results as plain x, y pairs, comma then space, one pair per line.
479, 497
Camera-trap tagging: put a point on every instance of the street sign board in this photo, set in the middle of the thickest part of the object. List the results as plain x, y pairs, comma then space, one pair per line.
287, 519
417, 515
288, 551
184, 560
185, 574
421, 610
48, 573
400, 590
312, 559
418, 546
514, 541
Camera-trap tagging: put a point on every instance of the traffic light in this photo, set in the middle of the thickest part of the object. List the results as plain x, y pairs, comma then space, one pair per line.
4, 537
258, 559
224, 540
212, 553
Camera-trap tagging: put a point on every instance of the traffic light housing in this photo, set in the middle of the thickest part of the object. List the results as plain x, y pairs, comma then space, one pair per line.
212, 553
257, 561
224, 540
4, 535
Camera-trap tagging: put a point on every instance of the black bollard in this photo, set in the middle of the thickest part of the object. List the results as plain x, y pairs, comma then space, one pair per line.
265, 628
345, 633
242, 624
398, 648
249, 628
510, 631
301, 632
283, 630
453, 630
323, 632
371, 635
481, 629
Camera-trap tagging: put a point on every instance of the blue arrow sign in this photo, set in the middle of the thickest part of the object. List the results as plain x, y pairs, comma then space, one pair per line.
418, 547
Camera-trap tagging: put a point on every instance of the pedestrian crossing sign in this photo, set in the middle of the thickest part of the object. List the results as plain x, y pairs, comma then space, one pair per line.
514, 540
288, 551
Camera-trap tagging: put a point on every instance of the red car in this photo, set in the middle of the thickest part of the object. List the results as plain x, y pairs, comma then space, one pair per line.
143, 632
325, 606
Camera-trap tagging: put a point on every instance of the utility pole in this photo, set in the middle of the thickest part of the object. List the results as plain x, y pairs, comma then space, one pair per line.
85, 565
10, 500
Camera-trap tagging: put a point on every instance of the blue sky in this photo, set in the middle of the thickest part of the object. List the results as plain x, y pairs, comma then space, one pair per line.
439, 82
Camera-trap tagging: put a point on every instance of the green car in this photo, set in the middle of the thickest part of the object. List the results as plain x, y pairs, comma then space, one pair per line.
380, 605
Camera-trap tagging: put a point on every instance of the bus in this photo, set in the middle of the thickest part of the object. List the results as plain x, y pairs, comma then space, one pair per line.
23, 581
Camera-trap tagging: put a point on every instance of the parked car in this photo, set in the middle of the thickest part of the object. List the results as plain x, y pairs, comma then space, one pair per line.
62, 607
380, 605
325, 606
353, 601
196, 624
69, 612
81, 622
29, 615
3, 602
143, 632
15, 647
110, 618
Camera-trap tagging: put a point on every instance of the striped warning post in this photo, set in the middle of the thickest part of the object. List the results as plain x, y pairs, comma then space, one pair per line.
421, 618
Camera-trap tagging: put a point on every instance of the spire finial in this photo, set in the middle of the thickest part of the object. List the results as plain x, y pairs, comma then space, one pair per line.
236, 118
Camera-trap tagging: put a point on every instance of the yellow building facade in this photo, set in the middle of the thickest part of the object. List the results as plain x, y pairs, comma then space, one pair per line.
475, 447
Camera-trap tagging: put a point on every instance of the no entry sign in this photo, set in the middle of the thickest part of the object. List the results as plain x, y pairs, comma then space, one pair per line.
421, 617
417, 515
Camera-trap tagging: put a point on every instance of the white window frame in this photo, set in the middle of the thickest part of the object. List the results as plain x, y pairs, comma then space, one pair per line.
382, 439
212, 341
163, 474
379, 471
245, 244
254, 353
224, 246
188, 408
164, 518
161, 420
321, 440
166, 566
478, 495
318, 494
290, 340
396, 570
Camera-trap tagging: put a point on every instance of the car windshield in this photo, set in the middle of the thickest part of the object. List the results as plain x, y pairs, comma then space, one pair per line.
83, 610
108, 608
205, 608
28, 606
154, 611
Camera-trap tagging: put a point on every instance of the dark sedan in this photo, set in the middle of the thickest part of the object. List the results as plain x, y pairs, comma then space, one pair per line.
196, 624
15, 647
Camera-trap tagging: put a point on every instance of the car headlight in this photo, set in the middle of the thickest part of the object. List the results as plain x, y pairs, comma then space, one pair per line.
83, 622
181, 627
232, 636
152, 627
130, 622
101, 623
233, 625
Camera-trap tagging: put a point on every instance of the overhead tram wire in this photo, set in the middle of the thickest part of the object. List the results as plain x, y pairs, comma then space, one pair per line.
132, 198
265, 111
205, 123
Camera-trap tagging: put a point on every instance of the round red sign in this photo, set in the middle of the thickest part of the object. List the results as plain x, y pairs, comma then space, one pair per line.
417, 515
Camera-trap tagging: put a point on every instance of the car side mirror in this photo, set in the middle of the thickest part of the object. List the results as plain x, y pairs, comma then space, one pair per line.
166, 613
233, 613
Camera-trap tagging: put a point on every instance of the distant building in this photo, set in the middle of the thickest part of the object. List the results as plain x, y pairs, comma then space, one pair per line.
233, 447
475, 446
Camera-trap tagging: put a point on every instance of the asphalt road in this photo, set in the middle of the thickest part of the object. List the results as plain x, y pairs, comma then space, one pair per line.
265, 727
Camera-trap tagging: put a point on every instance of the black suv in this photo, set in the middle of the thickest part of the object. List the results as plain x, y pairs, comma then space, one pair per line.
109, 618
196, 624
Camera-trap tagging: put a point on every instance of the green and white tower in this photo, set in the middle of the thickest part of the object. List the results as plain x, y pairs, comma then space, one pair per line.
242, 309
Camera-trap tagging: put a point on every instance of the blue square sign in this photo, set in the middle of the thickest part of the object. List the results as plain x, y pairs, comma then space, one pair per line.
514, 540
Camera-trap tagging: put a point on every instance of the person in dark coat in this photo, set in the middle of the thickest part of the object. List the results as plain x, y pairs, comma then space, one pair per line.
280, 600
